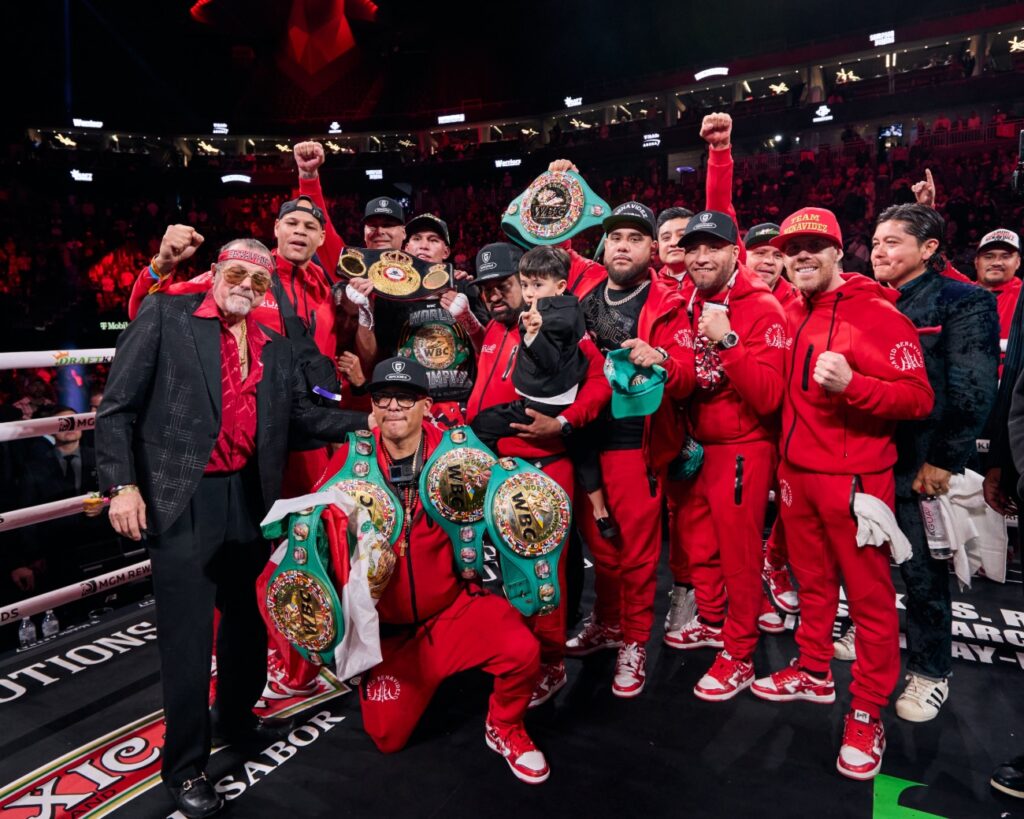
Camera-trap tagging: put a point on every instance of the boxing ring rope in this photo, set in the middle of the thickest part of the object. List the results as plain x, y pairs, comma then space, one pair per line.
18, 518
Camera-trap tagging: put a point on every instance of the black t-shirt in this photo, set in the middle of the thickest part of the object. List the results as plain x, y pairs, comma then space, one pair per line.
609, 326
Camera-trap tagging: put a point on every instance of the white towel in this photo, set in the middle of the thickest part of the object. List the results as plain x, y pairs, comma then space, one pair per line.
876, 526
977, 533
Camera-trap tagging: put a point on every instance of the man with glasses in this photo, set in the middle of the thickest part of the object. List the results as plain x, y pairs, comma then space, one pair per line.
543, 440
433, 624
191, 440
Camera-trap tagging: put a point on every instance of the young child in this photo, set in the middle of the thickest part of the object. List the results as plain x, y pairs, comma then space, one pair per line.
549, 368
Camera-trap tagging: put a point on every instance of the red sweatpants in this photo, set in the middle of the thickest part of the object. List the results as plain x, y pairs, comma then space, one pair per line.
550, 628
821, 533
481, 630
722, 514
776, 552
678, 562
625, 569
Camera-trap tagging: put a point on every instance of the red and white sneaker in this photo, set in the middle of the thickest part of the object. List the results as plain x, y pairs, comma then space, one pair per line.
630, 670
522, 756
780, 587
792, 683
595, 636
278, 683
725, 679
694, 634
769, 620
552, 679
860, 756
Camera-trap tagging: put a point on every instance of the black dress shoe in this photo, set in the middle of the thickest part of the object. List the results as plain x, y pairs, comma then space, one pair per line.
196, 798
255, 733
1009, 777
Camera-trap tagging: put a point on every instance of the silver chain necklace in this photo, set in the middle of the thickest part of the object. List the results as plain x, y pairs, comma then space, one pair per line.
630, 297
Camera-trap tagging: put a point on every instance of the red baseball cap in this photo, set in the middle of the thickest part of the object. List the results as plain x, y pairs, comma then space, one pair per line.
809, 222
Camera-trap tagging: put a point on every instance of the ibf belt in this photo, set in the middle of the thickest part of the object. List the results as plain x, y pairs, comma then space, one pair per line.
302, 599
453, 485
395, 274
433, 338
555, 207
528, 517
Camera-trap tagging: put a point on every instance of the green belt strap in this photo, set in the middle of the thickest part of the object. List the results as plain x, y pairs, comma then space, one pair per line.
555, 207
453, 486
528, 517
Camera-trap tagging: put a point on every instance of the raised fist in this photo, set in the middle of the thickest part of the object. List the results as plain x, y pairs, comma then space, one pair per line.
562, 165
178, 244
309, 156
716, 130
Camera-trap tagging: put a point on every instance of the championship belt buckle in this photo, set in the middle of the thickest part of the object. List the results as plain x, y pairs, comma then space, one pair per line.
528, 517
556, 206
395, 274
453, 486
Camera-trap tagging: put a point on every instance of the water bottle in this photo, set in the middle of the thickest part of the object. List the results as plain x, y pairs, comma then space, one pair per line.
934, 528
50, 625
27, 632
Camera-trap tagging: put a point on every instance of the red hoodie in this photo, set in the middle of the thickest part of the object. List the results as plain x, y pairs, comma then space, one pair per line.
662, 324
1006, 302
785, 292
424, 581
744, 405
851, 432
494, 386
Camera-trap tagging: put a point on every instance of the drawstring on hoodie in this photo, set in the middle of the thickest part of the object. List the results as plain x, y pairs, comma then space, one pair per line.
832, 321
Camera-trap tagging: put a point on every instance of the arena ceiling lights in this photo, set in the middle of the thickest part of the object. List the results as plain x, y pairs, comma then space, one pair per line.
720, 71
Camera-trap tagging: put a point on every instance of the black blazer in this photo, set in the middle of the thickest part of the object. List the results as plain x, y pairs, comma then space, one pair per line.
161, 408
553, 363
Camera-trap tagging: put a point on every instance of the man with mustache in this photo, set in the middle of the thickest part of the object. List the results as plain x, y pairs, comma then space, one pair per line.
191, 439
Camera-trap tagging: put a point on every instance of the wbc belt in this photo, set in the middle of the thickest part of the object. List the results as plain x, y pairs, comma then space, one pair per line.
302, 599
453, 485
556, 206
528, 516
395, 274
433, 338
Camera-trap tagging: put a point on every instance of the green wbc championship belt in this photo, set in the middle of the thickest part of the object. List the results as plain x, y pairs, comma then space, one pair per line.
395, 274
302, 600
453, 484
556, 206
528, 516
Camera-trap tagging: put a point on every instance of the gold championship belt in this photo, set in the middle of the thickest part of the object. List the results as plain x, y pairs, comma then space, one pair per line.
433, 338
453, 486
395, 274
556, 206
528, 517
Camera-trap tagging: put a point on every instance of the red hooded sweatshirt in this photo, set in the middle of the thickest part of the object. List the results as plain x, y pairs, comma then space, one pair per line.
1006, 302
785, 293
743, 406
851, 432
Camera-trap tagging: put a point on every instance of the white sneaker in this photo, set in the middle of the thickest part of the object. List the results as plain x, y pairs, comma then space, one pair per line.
694, 634
630, 670
682, 609
921, 699
845, 648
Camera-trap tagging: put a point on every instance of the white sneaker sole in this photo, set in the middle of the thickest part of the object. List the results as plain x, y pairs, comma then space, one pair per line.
1006, 789
776, 696
586, 652
914, 717
860, 776
771, 629
529, 780
688, 646
628, 694
536, 703
710, 696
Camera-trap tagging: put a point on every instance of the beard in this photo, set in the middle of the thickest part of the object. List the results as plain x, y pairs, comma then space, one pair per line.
632, 275
712, 285
509, 317
237, 305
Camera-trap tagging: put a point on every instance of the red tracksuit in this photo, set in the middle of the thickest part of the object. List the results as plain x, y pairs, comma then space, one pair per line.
434, 625
1006, 302
723, 507
834, 444
625, 569
494, 386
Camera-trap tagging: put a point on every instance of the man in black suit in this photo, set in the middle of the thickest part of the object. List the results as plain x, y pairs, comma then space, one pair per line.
192, 436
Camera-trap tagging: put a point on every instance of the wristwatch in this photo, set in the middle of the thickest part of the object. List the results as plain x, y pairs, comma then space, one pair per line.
729, 340
566, 426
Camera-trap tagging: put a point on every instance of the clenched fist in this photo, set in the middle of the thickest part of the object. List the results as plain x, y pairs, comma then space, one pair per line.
178, 244
716, 130
562, 165
309, 156
714, 324
832, 371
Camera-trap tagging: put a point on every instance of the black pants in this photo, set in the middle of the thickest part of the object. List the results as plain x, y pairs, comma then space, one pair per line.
928, 600
209, 556
492, 424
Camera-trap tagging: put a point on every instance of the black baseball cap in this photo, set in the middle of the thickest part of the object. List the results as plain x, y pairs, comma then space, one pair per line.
761, 234
497, 261
303, 204
713, 223
427, 221
387, 207
631, 214
399, 372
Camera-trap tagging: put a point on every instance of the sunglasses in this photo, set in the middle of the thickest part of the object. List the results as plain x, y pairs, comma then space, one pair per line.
237, 275
404, 400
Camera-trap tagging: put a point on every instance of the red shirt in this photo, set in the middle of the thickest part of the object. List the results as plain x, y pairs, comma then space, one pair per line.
236, 441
